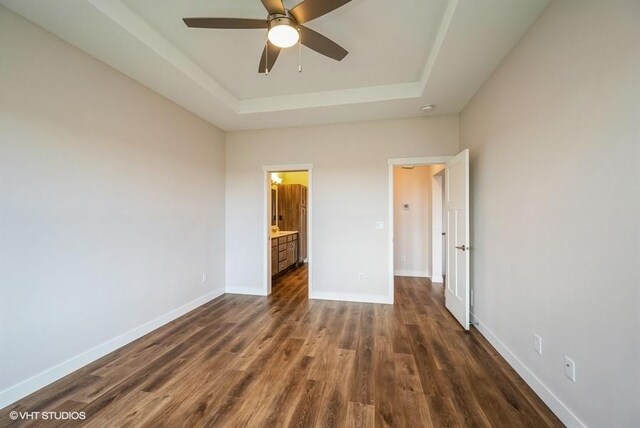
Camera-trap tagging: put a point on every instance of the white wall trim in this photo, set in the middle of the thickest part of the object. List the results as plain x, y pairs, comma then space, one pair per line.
368, 94
437, 279
390, 279
437, 226
42, 379
561, 410
414, 273
251, 291
288, 167
419, 160
350, 297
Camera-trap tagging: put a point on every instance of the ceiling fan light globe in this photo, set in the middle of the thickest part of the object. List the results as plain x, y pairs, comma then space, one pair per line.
283, 35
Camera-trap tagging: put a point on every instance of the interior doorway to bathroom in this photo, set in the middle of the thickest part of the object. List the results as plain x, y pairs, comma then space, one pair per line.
288, 231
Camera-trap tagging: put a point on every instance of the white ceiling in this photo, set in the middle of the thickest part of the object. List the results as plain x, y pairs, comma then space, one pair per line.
402, 55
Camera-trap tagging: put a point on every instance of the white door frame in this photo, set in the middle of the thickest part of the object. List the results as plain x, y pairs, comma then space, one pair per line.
458, 232
437, 238
266, 229
394, 162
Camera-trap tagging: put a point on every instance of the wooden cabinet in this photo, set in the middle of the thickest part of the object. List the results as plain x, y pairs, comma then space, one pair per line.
292, 210
274, 259
284, 253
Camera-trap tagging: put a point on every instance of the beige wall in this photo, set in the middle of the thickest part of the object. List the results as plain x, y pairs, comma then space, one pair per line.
412, 226
112, 208
555, 146
350, 193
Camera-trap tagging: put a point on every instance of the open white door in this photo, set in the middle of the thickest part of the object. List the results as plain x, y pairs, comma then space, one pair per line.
457, 234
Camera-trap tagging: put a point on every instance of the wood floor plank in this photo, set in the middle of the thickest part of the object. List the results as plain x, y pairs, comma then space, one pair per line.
360, 415
340, 369
282, 360
362, 387
443, 413
306, 410
385, 392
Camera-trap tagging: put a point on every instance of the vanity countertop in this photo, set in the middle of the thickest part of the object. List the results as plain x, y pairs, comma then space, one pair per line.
283, 233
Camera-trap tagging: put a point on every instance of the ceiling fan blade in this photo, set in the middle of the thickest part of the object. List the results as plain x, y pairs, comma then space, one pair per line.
232, 23
272, 56
274, 6
312, 9
321, 44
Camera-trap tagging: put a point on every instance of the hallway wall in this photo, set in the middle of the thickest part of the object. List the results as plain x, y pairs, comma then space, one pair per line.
412, 224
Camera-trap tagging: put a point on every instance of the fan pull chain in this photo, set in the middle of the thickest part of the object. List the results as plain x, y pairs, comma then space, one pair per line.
266, 56
299, 52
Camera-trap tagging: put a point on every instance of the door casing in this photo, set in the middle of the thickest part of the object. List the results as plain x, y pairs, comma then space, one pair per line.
266, 230
392, 163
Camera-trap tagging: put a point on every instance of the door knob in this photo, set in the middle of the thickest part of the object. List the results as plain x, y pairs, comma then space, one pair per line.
462, 247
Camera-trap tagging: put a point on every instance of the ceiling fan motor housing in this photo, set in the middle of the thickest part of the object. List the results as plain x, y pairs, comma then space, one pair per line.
277, 19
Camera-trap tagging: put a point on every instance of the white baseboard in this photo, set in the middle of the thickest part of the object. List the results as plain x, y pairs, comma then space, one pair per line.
252, 291
416, 273
34, 383
437, 279
345, 297
558, 407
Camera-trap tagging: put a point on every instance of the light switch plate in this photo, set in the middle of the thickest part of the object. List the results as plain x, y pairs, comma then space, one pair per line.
537, 343
379, 225
570, 368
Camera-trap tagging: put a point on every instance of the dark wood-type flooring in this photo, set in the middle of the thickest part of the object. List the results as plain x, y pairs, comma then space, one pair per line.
245, 361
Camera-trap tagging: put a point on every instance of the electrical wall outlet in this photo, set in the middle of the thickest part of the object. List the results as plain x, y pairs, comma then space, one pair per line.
379, 225
570, 368
204, 278
360, 276
403, 260
537, 343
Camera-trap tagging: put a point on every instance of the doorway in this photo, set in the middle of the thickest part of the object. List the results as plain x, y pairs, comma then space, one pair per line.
455, 224
438, 227
287, 226
417, 226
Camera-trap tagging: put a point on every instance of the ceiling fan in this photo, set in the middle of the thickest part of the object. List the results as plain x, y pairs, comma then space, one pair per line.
284, 27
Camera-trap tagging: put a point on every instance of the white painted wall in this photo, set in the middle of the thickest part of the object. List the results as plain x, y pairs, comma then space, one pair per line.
412, 227
555, 145
350, 193
111, 208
